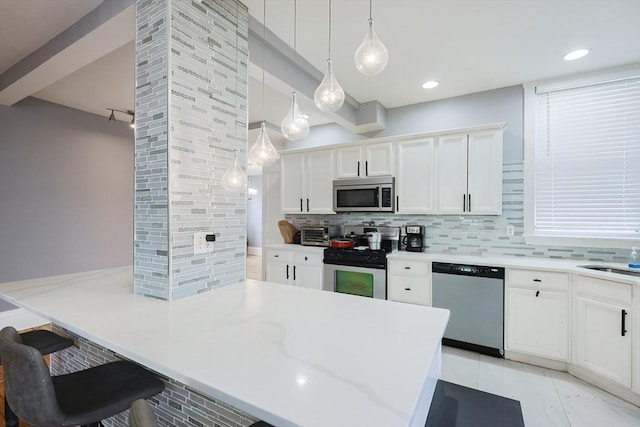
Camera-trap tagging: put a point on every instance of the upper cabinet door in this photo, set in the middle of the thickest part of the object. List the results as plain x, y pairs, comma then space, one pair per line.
485, 173
348, 162
451, 158
292, 170
319, 182
415, 176
378, 160
364, 160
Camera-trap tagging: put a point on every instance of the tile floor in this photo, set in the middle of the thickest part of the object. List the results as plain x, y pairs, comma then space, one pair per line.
254, 267
548, 398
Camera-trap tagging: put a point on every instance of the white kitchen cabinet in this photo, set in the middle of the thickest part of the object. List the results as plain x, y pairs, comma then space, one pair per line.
469, 173
415, 176
603, 328
307, 182
537, 313
297, 266
277, 262
409, 281
307, 270
364, 160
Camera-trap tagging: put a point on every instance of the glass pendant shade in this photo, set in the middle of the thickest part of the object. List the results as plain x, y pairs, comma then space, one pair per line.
234, 178
294, 126
372, 56
263, 153
329, 96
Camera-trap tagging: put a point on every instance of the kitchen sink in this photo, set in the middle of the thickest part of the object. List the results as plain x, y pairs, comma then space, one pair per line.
611, 270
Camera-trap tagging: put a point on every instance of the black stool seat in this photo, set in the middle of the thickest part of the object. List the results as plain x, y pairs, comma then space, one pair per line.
46, 342
101, 392
83, 397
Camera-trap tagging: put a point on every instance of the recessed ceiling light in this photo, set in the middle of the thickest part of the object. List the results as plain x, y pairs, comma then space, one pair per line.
576, 54
430, 84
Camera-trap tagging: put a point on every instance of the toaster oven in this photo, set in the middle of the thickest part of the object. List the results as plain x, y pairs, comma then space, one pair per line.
318, 235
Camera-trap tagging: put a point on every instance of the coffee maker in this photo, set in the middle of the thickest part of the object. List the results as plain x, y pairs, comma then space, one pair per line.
414, 238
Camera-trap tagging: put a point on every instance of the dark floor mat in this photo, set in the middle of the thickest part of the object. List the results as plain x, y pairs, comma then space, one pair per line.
454, 405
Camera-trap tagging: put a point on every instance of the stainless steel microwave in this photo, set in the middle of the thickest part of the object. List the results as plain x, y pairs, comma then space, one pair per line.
372, 194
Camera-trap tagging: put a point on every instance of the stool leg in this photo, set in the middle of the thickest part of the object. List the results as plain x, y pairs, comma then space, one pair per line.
9, 417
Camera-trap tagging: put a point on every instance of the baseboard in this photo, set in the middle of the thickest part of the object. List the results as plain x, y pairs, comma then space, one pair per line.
21, 319
615, 389
556, 365
254, 250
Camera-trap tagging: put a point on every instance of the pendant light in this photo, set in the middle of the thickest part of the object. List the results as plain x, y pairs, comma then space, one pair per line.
329, 96
371, 57
263, 153
234, 178
294, 126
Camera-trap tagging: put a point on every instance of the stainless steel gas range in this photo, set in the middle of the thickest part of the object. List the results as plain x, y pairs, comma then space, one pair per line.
360, 270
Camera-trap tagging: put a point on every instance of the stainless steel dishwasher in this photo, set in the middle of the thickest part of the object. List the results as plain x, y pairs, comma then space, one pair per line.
475, 297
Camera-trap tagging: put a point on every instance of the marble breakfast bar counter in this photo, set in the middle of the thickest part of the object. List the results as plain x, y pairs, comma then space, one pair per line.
283, 354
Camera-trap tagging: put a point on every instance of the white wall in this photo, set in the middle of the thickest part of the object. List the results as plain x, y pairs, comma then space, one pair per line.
254, 213
66, 191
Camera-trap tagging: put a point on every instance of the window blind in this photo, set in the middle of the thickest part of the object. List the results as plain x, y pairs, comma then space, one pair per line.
587, 160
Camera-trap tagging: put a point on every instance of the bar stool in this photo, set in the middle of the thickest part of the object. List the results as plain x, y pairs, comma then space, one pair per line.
141, 415
46, 342
80, 398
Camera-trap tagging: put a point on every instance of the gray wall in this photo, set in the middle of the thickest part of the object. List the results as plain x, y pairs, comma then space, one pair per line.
66, 191
499, 105
254, 213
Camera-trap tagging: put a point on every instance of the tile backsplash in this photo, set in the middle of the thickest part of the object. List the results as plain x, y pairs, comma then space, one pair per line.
475, 235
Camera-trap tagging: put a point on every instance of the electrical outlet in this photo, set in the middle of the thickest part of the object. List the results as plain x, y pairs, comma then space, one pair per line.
200, 244
511, 230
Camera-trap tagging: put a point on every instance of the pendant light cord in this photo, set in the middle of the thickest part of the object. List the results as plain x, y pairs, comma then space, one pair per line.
264, 50
295, 33
370, 6
329, 29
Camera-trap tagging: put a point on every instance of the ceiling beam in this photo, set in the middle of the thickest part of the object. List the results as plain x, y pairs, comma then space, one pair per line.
275, 57
104, 29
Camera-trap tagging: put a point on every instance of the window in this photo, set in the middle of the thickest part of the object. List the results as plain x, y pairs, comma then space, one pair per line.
584, 166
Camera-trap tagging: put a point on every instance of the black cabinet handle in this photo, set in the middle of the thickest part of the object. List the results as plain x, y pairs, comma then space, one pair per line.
397, 203
407, 289
358, 168
366, 168
537, 280
464, 203
407, 268
301, 205
294, 272
276, 256
307, 205
623, 326
306, 258
287, 271
537, 293
469, 202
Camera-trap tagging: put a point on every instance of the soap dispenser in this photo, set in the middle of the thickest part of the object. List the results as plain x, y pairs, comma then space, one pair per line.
634, 258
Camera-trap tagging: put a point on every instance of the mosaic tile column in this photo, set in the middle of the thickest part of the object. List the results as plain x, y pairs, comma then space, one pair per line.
191, 113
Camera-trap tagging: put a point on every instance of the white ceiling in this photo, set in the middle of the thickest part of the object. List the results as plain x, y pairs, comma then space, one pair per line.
467, 45
25, 25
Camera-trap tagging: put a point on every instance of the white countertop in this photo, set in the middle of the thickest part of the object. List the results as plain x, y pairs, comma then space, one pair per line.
533, 263
287, 355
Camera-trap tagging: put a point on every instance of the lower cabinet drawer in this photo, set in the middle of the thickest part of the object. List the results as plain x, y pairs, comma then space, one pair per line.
413, 290
307, 258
